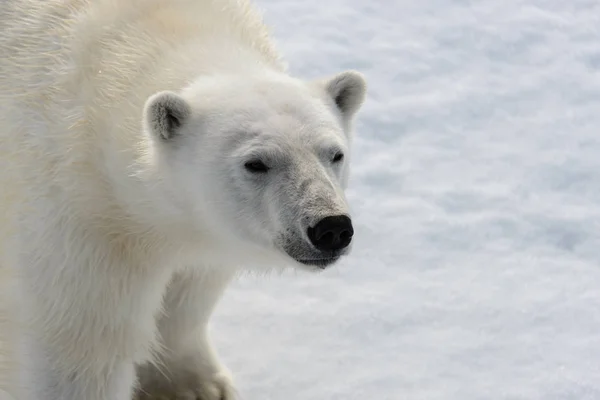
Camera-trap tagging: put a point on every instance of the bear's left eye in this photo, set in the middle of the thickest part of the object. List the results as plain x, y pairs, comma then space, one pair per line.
256, 167
337, 158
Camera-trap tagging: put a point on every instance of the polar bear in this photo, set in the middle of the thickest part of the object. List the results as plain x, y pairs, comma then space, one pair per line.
150, 150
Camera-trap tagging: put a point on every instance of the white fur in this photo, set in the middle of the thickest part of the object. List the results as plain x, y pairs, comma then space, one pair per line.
8, 329
125, 203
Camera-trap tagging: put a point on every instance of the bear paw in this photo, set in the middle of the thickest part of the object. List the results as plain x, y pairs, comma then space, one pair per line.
157, 384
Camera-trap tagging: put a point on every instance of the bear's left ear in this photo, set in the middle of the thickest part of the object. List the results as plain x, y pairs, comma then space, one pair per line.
347, 90
164, 114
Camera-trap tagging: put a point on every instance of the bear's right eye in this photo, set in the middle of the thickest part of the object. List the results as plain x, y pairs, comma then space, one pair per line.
256, 167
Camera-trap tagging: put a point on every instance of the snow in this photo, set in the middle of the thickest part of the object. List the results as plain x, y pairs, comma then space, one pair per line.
476, 195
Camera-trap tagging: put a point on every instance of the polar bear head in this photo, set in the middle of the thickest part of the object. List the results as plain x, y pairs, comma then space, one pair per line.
261, 164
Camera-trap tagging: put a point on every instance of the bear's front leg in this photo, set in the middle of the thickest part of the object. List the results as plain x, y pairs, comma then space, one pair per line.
76, 350
46, 379
188, 366
89, 312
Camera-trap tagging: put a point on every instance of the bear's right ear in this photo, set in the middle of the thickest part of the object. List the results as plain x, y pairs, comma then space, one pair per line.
164, 113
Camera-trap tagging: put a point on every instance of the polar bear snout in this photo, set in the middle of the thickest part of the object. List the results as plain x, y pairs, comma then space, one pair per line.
332, 233
322, 243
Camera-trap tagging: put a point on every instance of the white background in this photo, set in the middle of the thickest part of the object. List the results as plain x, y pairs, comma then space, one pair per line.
476, 195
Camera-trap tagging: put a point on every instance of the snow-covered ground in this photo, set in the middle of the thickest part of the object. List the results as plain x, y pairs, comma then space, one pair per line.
476, 189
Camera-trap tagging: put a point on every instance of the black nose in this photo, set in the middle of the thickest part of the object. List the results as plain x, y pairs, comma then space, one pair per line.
331, 233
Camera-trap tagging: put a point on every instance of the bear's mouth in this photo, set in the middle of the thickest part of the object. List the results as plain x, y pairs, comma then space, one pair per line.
319, 262
301, 252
